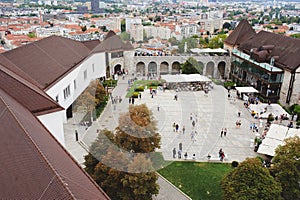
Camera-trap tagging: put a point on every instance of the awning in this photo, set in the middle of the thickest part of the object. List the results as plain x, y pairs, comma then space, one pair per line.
275, 137
246, 90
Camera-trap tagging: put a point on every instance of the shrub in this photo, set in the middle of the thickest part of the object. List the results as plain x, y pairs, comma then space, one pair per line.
235, 163
139, 89
135, 94
270, 118
229, 84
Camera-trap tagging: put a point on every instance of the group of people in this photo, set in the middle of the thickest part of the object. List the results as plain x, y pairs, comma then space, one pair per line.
116, 99
223, 132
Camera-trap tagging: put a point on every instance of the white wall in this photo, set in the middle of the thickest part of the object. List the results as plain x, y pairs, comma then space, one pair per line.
54, 123
96, 60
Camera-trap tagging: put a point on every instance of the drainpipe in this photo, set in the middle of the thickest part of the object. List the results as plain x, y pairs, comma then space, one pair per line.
291, 86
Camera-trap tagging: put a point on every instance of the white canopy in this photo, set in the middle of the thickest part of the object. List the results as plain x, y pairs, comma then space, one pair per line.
185, 78
246, 90
275, 137
274, 109
208, 50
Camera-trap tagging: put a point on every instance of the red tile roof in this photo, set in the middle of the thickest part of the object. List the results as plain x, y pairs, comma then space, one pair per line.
33, 164
24, 90
49, 59
286, 48
112, 43
241, 33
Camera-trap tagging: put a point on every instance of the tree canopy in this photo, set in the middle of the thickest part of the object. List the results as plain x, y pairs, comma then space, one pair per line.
121, 163
286, 168
191, 66
250, 180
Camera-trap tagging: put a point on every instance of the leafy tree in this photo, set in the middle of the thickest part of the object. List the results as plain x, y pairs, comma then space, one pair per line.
122, 174
297, 35
191, 43
137, 130
286, 168
91, 97
227, 25
93, 26
83, 28
123, 26
191, 66
217, 41
173, 41
125, 36
31, 35
250, 180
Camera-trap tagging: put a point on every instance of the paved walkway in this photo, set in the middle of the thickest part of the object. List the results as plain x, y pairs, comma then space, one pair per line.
211, 112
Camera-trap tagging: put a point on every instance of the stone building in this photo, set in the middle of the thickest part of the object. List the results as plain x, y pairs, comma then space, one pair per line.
267, 61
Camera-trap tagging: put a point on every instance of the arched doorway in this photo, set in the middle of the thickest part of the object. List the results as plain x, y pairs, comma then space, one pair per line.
164, 68
200, 67
117, 69
140, 68
176, 68
152, 69
210, 69
221, 69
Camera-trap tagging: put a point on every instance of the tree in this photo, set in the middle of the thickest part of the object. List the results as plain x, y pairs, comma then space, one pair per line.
123, 26
191, 43
114, 162
125, 36
83, 28
286, 168
217, 41
250, 180
191, 66
227, 25
137, 130
173, 41
31, 35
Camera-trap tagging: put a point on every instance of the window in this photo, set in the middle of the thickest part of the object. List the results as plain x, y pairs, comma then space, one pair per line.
85, 74
75, 86
67, 92
93, 67
56, 98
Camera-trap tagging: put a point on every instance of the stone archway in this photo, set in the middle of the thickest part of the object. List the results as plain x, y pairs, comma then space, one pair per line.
140, 68
152, 68
164, 68
221, 69
210, 69
117, 69
175, 67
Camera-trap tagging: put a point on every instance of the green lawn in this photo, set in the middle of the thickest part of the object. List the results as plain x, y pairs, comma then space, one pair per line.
149, 83
197, 180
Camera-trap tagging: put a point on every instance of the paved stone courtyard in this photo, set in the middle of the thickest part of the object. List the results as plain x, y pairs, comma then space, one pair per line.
211, 112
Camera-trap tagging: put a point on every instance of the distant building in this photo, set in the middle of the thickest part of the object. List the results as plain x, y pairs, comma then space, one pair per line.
95, 5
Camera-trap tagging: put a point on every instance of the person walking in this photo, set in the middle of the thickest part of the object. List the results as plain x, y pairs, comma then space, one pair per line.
193, 124
225, 131
179, 154
176, 127
174, 152
221, 133
183, 129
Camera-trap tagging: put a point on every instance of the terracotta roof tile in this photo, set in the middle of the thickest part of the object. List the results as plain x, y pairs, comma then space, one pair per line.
112, 43
29, 95
241, 33
286, 48
35, 165
48, 59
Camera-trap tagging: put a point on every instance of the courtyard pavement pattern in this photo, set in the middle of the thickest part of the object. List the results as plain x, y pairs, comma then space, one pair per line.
211, 112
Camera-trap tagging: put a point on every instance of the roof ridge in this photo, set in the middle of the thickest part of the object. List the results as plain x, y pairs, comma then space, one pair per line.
35, 145
22, 81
